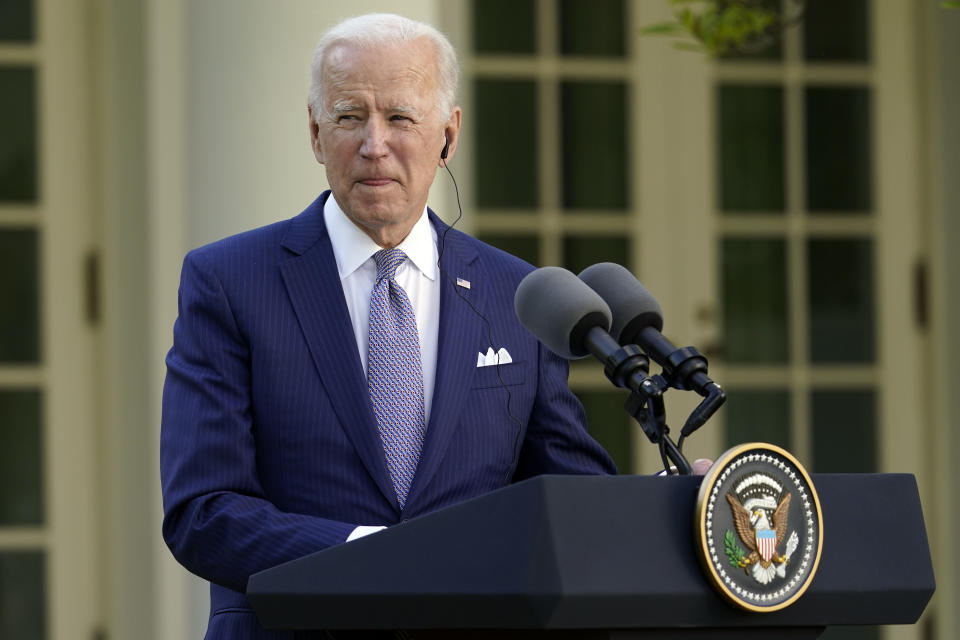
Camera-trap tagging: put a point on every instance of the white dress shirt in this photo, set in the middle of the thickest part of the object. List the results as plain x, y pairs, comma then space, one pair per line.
417, 275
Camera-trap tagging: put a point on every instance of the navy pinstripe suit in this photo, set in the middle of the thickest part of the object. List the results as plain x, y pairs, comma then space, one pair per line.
269, 446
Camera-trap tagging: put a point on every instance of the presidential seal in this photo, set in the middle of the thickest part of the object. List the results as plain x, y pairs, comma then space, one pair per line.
759, 527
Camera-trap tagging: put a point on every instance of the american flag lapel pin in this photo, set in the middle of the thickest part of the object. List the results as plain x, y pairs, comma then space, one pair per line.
463, 283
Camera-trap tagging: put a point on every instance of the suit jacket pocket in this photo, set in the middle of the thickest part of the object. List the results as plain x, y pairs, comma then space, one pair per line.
513, 373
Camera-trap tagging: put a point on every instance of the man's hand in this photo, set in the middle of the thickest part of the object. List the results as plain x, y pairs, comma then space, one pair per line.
701, 466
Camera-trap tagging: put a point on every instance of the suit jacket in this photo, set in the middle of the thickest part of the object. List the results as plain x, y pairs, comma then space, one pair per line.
269, 445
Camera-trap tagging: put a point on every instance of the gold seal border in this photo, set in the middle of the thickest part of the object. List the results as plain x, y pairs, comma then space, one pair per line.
706, 487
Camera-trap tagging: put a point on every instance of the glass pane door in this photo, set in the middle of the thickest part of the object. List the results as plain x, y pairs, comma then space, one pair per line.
23, 508
48, 571
553, 95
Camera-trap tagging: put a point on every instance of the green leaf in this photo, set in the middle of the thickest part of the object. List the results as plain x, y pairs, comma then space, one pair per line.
722, 26
732, 549
950, 4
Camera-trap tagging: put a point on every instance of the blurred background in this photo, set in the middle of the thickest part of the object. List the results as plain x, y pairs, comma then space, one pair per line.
792, 207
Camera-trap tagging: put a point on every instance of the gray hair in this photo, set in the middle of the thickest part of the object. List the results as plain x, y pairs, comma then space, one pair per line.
375, 29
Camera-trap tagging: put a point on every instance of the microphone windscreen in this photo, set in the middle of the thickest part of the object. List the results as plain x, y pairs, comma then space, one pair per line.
559, 309
632, 306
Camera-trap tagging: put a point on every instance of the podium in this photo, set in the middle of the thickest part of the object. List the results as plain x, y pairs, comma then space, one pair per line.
599, 557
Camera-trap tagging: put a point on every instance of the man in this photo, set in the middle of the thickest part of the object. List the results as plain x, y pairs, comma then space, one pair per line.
324, 380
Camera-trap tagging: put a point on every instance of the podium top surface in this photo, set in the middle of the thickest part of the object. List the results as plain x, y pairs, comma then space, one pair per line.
604, 552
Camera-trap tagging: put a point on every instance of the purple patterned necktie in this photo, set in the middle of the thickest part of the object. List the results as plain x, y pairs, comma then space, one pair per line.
394, 375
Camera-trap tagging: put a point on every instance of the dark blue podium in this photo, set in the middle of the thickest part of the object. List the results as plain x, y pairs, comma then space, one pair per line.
599, 557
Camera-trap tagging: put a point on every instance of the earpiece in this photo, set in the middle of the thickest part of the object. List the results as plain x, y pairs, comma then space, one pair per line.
446, 148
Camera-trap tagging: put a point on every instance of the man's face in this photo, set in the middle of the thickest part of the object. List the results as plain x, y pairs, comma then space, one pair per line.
380, 134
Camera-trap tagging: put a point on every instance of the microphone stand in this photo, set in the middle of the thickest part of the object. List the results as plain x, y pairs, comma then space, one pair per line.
646, 406
628, 367
685, 369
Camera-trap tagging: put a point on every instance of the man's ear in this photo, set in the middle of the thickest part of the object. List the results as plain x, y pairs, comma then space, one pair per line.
451, 133
314, 135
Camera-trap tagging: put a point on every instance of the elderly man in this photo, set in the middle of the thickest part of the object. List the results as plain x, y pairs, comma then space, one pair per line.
325, 377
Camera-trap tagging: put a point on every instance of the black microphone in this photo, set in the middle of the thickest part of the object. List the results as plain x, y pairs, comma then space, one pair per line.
560, 311
637, 319
573, 321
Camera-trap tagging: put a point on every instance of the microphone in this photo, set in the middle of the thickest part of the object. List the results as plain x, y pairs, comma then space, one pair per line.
560, 311
637, 319
573, 320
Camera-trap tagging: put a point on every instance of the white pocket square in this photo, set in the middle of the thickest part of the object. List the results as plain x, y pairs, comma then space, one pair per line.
491, 358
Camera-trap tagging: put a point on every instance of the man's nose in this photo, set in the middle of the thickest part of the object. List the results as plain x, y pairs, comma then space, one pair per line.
375, 135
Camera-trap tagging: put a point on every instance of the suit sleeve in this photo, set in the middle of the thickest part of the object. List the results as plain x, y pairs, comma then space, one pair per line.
217, 521
556, 439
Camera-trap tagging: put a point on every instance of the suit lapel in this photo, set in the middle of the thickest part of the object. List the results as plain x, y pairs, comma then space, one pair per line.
460, 337
314, 288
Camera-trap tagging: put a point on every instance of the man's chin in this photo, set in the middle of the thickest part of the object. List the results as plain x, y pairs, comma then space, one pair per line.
374, 215
382, 200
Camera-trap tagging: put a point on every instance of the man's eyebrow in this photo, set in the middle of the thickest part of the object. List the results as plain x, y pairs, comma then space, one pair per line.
347, 107
343, 107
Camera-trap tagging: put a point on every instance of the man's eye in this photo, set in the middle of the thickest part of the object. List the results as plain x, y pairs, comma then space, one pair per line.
347, 118
399, 118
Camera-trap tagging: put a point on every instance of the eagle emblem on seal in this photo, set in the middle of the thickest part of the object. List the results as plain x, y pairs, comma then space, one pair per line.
760, 515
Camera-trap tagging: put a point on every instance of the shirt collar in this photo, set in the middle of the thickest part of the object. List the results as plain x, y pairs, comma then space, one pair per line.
352, 247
